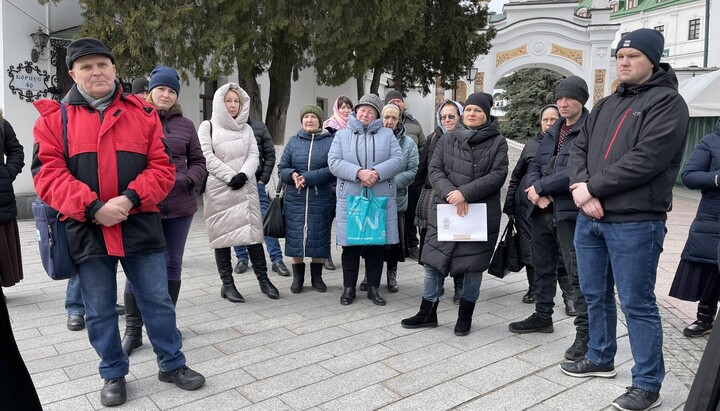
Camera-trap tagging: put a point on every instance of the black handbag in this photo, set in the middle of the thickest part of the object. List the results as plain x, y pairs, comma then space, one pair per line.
506, 257
200, 188
274, 221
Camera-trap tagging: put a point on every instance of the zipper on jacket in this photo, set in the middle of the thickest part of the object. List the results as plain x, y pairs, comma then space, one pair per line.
617, 130
307, 196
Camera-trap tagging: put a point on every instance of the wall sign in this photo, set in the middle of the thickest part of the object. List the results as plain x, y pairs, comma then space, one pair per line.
30, 83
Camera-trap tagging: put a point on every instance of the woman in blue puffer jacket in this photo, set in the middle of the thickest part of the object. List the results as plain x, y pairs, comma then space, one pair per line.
308, 198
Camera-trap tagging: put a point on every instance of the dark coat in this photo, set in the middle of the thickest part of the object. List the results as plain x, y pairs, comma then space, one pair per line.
308, 211
630, 148
548, 172
266, 149
516, 200
476, 163
705, 391
12, 161
426, 153
187, 156
701, 173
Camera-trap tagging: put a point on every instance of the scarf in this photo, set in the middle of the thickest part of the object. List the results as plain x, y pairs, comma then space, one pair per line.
336, 121
101, 103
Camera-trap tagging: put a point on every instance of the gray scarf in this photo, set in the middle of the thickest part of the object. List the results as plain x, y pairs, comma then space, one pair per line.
103, 102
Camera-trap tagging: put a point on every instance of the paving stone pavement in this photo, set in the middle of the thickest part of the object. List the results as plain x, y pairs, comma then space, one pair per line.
306, 351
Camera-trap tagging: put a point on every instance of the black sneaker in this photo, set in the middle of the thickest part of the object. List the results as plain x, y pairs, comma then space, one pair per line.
183, 377
113, 392
532, 324
281, 269
697, 329
579, 348
586, 368
241, 267
636, 399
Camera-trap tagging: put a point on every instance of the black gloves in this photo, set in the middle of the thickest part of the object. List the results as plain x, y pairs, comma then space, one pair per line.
238, 181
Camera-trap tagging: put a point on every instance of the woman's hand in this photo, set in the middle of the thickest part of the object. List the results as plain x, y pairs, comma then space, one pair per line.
299, 180
368, 177
461, 208
455, 197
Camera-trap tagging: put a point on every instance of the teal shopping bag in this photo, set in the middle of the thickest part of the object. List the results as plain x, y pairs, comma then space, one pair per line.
366, 219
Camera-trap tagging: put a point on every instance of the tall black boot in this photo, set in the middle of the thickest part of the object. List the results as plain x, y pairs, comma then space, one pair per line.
529, 297
426, 317
568, 295
458, 281
705, 318
133, 325
316, 277
464, 321
225, 268
298, 270
174, 290
259, 265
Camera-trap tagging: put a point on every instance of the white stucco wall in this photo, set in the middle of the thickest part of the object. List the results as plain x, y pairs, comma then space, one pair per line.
714, 47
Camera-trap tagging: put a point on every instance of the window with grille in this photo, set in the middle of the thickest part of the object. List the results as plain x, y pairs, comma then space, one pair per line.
694, 29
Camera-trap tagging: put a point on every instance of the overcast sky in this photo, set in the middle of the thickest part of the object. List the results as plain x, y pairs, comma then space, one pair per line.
496, 5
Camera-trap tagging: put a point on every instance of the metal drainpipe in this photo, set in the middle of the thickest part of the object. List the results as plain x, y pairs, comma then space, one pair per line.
707, 32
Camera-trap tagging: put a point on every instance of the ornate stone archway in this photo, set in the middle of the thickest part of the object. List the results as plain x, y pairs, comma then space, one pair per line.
550, 35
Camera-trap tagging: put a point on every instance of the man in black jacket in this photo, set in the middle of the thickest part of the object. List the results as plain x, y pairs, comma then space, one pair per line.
622, 170
264, 171
553, 218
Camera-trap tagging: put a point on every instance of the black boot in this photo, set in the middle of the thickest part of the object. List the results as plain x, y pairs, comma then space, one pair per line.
133, 325
704, 323
425, 318
392, 284
458, 281
373, 294
363, 284
316, 277
174, 290
464, 321
348, 296
567, 295
298, 270
225, 268
529, 297
259, 265
329, 264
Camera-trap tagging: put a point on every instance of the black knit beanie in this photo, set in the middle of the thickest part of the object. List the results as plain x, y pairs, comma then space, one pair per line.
482, 100
650, 42
392, 94
573, 87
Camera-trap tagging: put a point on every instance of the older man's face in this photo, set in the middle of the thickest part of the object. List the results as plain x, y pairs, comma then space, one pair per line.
94, 74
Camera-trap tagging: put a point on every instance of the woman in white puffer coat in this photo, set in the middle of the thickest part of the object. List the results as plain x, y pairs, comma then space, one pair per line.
231, 202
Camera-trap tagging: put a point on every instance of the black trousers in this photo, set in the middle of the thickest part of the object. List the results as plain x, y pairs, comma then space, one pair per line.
550, 239
411, 239
374, 256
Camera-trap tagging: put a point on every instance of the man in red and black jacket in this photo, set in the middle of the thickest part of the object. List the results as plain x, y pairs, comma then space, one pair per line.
117, 169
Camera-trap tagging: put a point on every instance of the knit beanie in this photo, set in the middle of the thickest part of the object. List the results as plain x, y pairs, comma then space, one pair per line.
573, 87
140, 85
650, 42
482, 100
312, 108
393, 94
371, 100
85, 47
164, 76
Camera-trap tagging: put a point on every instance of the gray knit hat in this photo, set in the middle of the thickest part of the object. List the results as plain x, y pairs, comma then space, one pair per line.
312, 108
371, 100
393, 94
573, 87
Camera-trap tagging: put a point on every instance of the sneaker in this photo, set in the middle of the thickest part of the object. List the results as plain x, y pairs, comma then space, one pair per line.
241, 267
636, 399
183, 377
532, 324
586, 368
579, 348
113, 392
697, 329
414, 253
280, 268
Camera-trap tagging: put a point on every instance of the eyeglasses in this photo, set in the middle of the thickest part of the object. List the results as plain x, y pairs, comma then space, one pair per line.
448, 116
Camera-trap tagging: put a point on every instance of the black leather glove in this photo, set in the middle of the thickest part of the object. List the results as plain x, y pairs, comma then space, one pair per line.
238, 181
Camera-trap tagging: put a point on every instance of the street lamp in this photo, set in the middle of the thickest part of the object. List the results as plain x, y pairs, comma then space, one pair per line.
40, 39
471, 73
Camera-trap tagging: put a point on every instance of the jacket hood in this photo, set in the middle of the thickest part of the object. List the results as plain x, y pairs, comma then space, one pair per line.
318, 136
473, 137
358, 126
664, 76
220, 114
437, 116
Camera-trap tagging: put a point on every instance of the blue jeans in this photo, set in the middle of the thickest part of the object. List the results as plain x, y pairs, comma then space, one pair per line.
99, 290
73, 298
272, 243
623, 255
434, 282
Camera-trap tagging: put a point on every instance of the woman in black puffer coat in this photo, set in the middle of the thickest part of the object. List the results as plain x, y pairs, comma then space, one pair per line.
467, 167
308, 198
696, 278
11, 271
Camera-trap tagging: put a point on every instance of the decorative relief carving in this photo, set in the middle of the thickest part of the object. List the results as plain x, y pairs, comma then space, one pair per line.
576, 56
539, 48
599, 87
602, 52
507, 55
479, 82
461, 91
614, 85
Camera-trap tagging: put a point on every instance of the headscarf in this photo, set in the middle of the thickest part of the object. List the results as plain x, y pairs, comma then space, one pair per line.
336, 121
460, 113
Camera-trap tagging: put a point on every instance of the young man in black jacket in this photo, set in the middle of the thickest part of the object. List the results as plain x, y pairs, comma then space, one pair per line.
553, 219
622, 170
264, 171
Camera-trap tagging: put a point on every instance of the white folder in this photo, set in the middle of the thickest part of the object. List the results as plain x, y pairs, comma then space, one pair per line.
471, 227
